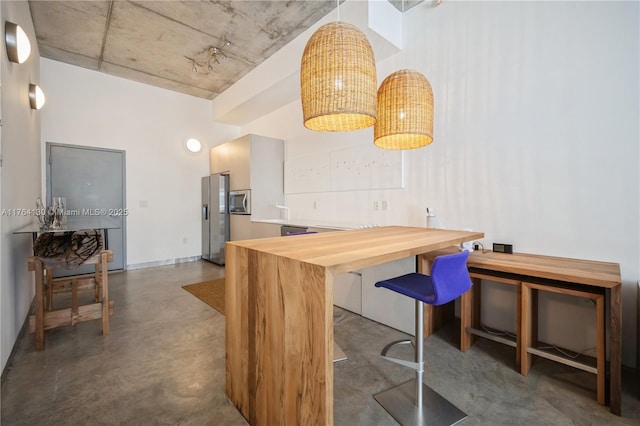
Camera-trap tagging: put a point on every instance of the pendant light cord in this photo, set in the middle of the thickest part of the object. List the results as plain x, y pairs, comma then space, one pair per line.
402, 33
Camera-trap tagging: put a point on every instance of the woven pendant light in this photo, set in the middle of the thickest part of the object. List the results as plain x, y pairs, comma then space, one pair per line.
405, 111
338, 79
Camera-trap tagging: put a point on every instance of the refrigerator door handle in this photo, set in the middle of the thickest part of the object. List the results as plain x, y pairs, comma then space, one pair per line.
205, 211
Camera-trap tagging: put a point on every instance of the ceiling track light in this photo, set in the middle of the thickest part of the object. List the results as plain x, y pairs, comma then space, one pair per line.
17, 42
204, 58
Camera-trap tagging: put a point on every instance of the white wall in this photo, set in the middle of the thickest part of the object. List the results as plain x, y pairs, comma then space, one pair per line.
89, 108
20, 178
536, 142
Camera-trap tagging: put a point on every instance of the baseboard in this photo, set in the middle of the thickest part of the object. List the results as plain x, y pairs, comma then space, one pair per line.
162, 262
24, 330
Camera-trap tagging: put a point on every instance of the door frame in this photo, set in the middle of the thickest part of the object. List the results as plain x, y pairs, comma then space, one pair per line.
50, 145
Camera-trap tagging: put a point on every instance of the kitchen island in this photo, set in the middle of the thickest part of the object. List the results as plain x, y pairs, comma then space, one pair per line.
279, 314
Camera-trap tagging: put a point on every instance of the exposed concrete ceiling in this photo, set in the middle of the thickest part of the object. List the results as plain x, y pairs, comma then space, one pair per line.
161, 42
151, 41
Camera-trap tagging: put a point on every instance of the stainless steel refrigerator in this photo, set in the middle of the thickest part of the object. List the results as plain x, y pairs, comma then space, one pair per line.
215, 217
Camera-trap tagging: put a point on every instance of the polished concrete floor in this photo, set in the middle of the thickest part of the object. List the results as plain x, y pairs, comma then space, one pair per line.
163, 364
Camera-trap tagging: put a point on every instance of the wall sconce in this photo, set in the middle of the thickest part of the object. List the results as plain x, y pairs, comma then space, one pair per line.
193, 145
36, 97
17, 42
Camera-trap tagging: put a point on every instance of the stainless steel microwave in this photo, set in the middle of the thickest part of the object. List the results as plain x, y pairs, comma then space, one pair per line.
240, 202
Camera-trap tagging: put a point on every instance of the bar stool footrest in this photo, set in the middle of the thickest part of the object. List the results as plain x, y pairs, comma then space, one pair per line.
413, 365
397, 342
400, 403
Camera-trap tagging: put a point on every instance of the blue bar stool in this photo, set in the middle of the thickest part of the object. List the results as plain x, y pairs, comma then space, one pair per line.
413, 402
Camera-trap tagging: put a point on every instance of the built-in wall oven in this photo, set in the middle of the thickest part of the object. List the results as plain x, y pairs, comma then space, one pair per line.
240, 202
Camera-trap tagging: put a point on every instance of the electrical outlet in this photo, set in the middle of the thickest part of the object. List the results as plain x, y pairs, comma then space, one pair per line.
375, 206
384, 205
315, 205
503, 248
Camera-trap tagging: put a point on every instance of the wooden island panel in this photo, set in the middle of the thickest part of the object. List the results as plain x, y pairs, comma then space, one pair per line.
279, 315
237, 331
289, 328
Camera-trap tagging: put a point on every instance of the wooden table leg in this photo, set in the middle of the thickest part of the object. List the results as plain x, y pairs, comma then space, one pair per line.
74, 302
601, 352
524, 333
534, 318
428, 320
423, 266
49, 287
466, 315
104, 283
476, 317
615, 350
39, 305
434, 316
96, 277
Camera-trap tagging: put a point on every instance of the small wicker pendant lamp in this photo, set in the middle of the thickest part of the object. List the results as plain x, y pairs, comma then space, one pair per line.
405, 111
338, 79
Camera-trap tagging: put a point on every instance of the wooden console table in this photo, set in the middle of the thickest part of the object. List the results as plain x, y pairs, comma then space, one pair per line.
279, 314
598, 281
45, 318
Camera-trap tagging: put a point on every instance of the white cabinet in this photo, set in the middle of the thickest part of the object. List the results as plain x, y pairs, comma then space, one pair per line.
266, 177
219, 159
383, 305
347, 291
239, 159
356, 292
264, 230
256, 163
242, 228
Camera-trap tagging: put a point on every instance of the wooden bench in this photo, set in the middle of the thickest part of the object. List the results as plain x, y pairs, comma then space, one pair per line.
45, 318
597, 281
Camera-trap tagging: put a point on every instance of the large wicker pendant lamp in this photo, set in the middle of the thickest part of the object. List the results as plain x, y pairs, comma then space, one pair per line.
338, 79
405, 111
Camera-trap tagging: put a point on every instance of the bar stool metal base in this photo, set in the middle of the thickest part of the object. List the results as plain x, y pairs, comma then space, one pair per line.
338, 353
399, 401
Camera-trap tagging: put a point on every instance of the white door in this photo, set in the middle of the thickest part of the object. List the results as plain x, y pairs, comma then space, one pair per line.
91, 179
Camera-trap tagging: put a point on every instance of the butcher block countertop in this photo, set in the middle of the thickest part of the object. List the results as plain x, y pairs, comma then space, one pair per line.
355, 249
